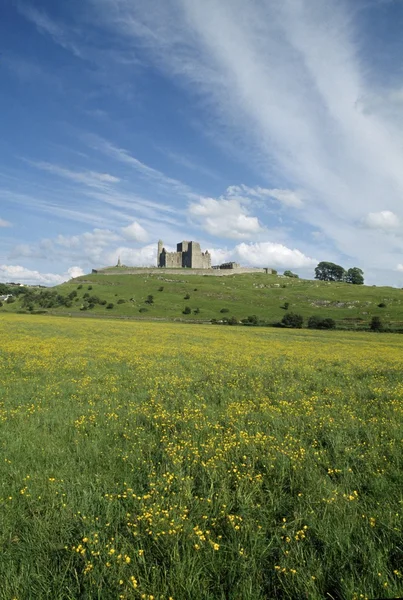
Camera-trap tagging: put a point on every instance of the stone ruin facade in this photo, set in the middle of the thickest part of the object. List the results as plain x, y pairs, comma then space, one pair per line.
187, 255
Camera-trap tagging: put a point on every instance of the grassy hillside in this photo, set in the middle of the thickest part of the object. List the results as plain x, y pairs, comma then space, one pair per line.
241, 295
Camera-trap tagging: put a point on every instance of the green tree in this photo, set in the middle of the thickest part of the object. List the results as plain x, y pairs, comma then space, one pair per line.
187, 310
328, 271
316, 322
292, 320
355, 276
291, 274
376, 324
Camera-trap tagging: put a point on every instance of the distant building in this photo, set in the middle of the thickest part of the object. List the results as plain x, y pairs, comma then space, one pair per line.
187, 255
228, 265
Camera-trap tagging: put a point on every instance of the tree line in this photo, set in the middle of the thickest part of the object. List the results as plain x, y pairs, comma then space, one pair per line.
328, 271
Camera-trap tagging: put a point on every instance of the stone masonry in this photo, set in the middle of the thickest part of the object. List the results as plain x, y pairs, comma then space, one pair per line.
187, 255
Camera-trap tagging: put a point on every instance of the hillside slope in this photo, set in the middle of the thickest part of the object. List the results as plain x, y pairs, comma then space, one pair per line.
236, 295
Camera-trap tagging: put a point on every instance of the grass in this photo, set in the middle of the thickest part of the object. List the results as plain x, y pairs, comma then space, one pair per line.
351, 306
154, 461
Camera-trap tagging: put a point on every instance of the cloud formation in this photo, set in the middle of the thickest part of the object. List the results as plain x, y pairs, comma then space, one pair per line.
135, 232
385, 220
4, 223
20, 274
225, 217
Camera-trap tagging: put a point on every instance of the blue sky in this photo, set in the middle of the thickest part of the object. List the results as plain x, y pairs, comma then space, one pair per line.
269, 131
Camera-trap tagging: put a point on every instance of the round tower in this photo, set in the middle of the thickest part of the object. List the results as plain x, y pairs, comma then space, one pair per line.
160, 247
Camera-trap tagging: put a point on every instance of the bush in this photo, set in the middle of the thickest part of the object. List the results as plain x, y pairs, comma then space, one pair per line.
110, 305
143, 309
80, 287
187, 297
187, 310
86, 295
232, 321
251, 320
10, 300
224, 310
382, 305
196, 311
89, 287
376, 324
195, 290
91, 305
316, 322
286, 305
291, 274
102, 302
292, 320
161, 288
121, 301
150, 299
1, 303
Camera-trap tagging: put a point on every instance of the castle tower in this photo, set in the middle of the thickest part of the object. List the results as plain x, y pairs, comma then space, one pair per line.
160, 247
119, 263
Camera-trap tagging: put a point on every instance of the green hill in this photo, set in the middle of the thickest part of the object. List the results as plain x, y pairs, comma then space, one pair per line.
211, 297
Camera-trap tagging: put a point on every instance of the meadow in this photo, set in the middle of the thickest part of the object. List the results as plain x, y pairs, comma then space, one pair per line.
164, 461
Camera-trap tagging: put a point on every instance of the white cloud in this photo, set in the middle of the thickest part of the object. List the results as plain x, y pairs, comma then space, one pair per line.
225, 217
90, 178
154, 176
269, 254
287, 197
4, 223
385, 220
75, 272
399, 267
135, 232
88, 247
19, 274
140, 257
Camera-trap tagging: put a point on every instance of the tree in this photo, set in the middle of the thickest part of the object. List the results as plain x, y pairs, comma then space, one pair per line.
376, 324
355, 276
291, 274
232, 321
187, 310
328, 271
292, 320
150, 299
316, 322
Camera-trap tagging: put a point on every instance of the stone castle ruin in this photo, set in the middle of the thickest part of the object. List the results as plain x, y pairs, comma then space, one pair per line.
187, 255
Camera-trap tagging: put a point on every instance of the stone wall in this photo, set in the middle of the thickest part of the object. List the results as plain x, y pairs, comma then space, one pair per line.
180, 271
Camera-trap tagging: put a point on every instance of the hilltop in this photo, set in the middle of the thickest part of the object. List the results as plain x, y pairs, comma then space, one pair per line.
209, 297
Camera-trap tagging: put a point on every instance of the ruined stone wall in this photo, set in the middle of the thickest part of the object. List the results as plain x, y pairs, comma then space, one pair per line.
183, 272
172, 260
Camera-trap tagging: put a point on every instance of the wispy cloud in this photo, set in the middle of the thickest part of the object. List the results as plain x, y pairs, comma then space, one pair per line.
287, 78
4, 223
90, 178
45, 24
154, 175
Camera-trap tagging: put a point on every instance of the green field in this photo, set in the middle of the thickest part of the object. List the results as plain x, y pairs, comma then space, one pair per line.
352, 306
156, 461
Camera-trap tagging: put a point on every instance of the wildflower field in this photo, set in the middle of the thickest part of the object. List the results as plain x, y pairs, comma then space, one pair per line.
164, 461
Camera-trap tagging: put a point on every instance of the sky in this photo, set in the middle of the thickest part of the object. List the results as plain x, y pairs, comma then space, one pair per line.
270, 131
